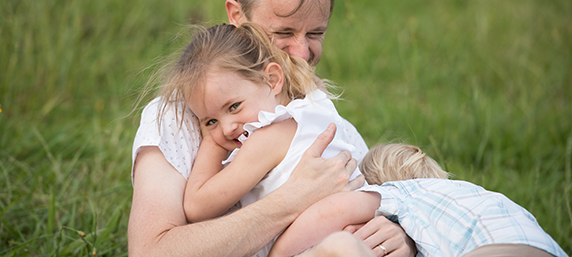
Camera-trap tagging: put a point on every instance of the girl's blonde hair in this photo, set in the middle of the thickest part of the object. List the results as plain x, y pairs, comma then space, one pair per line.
245, 50
391, 162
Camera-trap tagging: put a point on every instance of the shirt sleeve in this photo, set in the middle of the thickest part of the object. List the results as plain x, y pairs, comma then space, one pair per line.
179, 144
353, 137
391, 203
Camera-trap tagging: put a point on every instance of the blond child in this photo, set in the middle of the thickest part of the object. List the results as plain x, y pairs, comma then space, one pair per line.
449, 217
444, 217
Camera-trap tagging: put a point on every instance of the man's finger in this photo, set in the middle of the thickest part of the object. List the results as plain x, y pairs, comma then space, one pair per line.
323, 140
357, 182
353, 228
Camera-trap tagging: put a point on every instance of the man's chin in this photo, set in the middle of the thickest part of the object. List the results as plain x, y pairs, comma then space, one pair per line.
313, 60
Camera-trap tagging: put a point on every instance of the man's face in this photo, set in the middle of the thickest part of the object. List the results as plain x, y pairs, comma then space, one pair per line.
300, 34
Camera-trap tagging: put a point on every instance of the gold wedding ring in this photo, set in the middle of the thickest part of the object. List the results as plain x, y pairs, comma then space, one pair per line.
383, 248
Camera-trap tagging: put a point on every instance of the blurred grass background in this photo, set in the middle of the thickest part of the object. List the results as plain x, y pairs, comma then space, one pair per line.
485, 87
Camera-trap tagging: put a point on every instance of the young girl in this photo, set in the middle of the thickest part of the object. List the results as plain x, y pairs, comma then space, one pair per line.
444, 217
237, 82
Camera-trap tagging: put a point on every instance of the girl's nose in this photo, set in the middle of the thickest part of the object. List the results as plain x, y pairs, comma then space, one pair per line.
229, 129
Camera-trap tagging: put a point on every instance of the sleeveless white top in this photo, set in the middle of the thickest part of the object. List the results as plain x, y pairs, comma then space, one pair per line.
313, 114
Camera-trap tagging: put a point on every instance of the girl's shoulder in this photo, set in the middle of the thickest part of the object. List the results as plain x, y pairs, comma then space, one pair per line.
271, 141
275, 132
266, 148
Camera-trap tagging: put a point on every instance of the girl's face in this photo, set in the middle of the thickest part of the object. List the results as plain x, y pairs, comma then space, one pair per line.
228, 101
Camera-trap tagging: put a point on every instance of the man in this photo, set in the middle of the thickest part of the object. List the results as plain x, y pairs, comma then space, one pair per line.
157, 223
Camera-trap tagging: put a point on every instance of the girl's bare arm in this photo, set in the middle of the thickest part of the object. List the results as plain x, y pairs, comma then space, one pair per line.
211, 191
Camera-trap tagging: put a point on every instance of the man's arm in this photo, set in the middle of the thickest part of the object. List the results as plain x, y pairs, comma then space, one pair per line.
157, 223
323, 218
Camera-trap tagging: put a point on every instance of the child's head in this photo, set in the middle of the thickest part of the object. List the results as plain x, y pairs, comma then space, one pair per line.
235, 71
391, 162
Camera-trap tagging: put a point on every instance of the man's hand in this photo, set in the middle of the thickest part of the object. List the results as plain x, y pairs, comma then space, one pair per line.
381, 231
317, 177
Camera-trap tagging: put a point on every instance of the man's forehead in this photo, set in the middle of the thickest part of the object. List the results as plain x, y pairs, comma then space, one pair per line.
318, 9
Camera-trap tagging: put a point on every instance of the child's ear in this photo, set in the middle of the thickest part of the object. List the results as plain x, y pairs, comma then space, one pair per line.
275, 77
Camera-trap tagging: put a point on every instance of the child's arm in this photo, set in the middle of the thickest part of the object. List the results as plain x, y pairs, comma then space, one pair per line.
207, 164
212, 190
329, 215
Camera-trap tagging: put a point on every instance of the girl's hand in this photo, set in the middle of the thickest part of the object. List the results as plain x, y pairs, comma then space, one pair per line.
205, 132
207, 139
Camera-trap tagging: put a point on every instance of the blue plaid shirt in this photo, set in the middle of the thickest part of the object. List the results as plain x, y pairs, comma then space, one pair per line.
451, 217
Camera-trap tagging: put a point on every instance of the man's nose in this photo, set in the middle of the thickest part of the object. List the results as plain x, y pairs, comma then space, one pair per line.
300, 47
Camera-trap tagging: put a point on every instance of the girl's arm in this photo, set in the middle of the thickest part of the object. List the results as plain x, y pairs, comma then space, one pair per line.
207, 164
328, 215
211, 191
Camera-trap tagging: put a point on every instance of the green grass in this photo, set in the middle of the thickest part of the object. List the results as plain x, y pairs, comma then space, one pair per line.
483, 86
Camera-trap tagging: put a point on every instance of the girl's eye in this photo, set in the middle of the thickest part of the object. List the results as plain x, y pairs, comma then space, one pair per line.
234, 106
211, 122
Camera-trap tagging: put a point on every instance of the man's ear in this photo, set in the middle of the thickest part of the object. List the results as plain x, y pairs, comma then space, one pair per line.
234, 12
275, 77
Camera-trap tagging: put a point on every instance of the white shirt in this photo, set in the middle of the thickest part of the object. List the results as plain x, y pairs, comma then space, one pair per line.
179, 144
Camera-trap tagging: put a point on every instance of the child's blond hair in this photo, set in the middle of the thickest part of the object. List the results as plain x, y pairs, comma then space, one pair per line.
246, 50
391, 162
